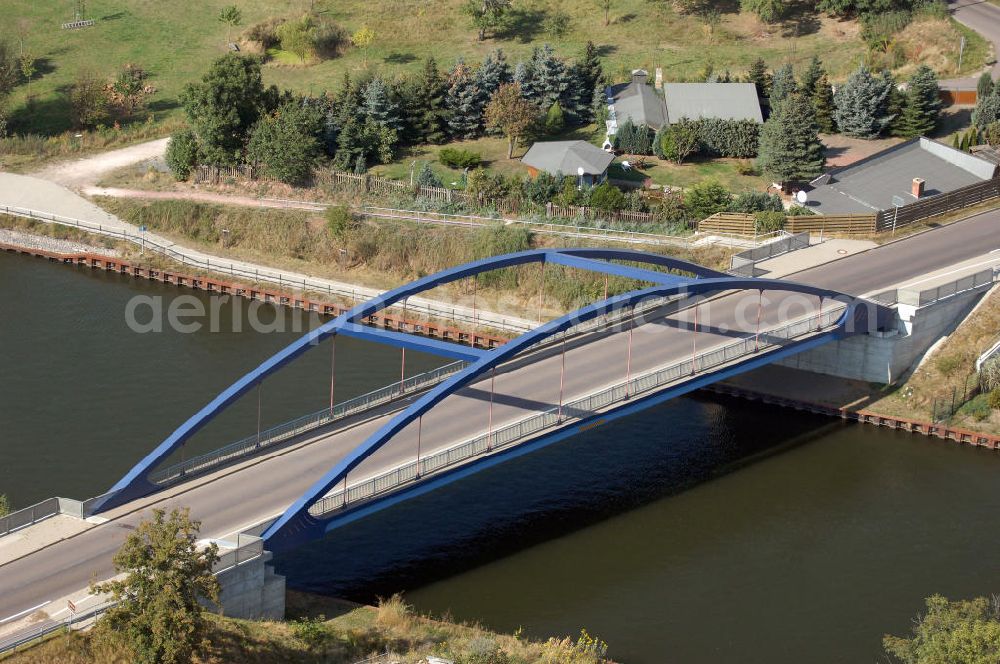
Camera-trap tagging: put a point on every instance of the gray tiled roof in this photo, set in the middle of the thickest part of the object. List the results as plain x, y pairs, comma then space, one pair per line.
870, 184
567, 156
639, 102
727, 101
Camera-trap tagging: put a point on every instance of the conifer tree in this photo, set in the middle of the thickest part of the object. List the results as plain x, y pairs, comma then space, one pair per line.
862, 103
782, 85
591, 71
822, 101
524, 76
812, 74
380, 106
984, 86
922, 105
429, 112
550, 79
462, 101
555, 120
790, 149
987, 110
492, 73
427, 177
760, 78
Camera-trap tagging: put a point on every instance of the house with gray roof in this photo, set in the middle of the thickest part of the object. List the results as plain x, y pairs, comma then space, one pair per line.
906, 172
636, 101
572, 158
725, 101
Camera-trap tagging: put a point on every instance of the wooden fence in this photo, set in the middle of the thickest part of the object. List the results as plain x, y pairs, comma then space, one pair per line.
967, 196
735, 223
220, 174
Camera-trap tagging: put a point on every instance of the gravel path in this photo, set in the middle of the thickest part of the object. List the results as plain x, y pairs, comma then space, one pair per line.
45, 243
88, 170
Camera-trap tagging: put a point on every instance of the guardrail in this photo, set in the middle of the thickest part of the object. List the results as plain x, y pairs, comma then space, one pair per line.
745, 262
928, 296
286, 430
571, 411
248, 547
29, 515
305, 423
270, 276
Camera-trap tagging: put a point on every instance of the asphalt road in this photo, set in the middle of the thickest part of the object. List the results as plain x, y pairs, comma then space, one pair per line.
228, 502
983, 17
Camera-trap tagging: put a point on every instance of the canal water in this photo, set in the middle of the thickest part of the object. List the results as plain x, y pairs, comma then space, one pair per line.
703, 530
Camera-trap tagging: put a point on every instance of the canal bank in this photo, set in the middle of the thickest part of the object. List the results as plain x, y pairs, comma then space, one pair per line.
709, 530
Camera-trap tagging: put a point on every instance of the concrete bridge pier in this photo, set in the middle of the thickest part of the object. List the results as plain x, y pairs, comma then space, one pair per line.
252, 590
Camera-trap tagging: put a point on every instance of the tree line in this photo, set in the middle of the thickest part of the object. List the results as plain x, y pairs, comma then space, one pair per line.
234, 118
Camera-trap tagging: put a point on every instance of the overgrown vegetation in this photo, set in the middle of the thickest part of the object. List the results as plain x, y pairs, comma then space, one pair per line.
309, 637
959, 632
382, 253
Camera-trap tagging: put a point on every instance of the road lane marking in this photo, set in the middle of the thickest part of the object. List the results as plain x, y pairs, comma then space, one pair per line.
24, 613
955, 271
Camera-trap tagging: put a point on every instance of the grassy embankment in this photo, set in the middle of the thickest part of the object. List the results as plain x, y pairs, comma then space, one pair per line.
354, 633
950, 368
383, 254
177, 47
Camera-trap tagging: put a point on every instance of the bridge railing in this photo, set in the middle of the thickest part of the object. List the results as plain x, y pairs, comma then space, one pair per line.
29, 515
573, 410
248, 547
287, 430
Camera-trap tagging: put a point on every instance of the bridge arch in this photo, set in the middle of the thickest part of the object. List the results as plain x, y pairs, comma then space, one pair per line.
136, 482
297, 524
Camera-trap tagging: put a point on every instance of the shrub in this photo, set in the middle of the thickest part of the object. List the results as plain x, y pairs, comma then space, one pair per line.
746, 167
977, 408
948, 364
329, 39
457, 158
5, 508
182, 154
607, 197
339, 220
314, 632
555, 120
676, 142
769, 221
427, 177
756, 201
262, 36
488, 184
798, 211
706, 198
989, 375
728, 138
879, 28
994, 399
556, 23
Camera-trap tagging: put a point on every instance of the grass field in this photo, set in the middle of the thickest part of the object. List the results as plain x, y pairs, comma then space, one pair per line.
176, 44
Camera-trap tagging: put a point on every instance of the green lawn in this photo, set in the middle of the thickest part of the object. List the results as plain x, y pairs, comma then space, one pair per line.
175, 41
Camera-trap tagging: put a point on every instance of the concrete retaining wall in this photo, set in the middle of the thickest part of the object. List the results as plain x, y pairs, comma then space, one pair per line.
885, 359
252, 591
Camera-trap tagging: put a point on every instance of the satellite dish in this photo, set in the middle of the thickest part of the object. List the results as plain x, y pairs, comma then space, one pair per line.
580, 171
801, 197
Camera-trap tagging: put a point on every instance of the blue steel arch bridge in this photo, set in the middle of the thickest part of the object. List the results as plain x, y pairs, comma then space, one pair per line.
756, 330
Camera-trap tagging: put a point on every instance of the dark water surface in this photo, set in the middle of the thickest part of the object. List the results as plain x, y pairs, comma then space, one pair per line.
703, 530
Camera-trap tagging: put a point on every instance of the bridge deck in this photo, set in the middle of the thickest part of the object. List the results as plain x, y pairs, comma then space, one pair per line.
229, 501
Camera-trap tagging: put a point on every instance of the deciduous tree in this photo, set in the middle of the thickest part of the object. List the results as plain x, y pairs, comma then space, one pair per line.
298, 36
225, 104
363, 39
285, 143
158, 618
512, 114
962, 632
88, 100
129, 90
232, 17
487, 14
182, 154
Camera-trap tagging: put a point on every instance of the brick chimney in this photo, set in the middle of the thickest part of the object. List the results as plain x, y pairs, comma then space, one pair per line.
658, 81
918, 188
